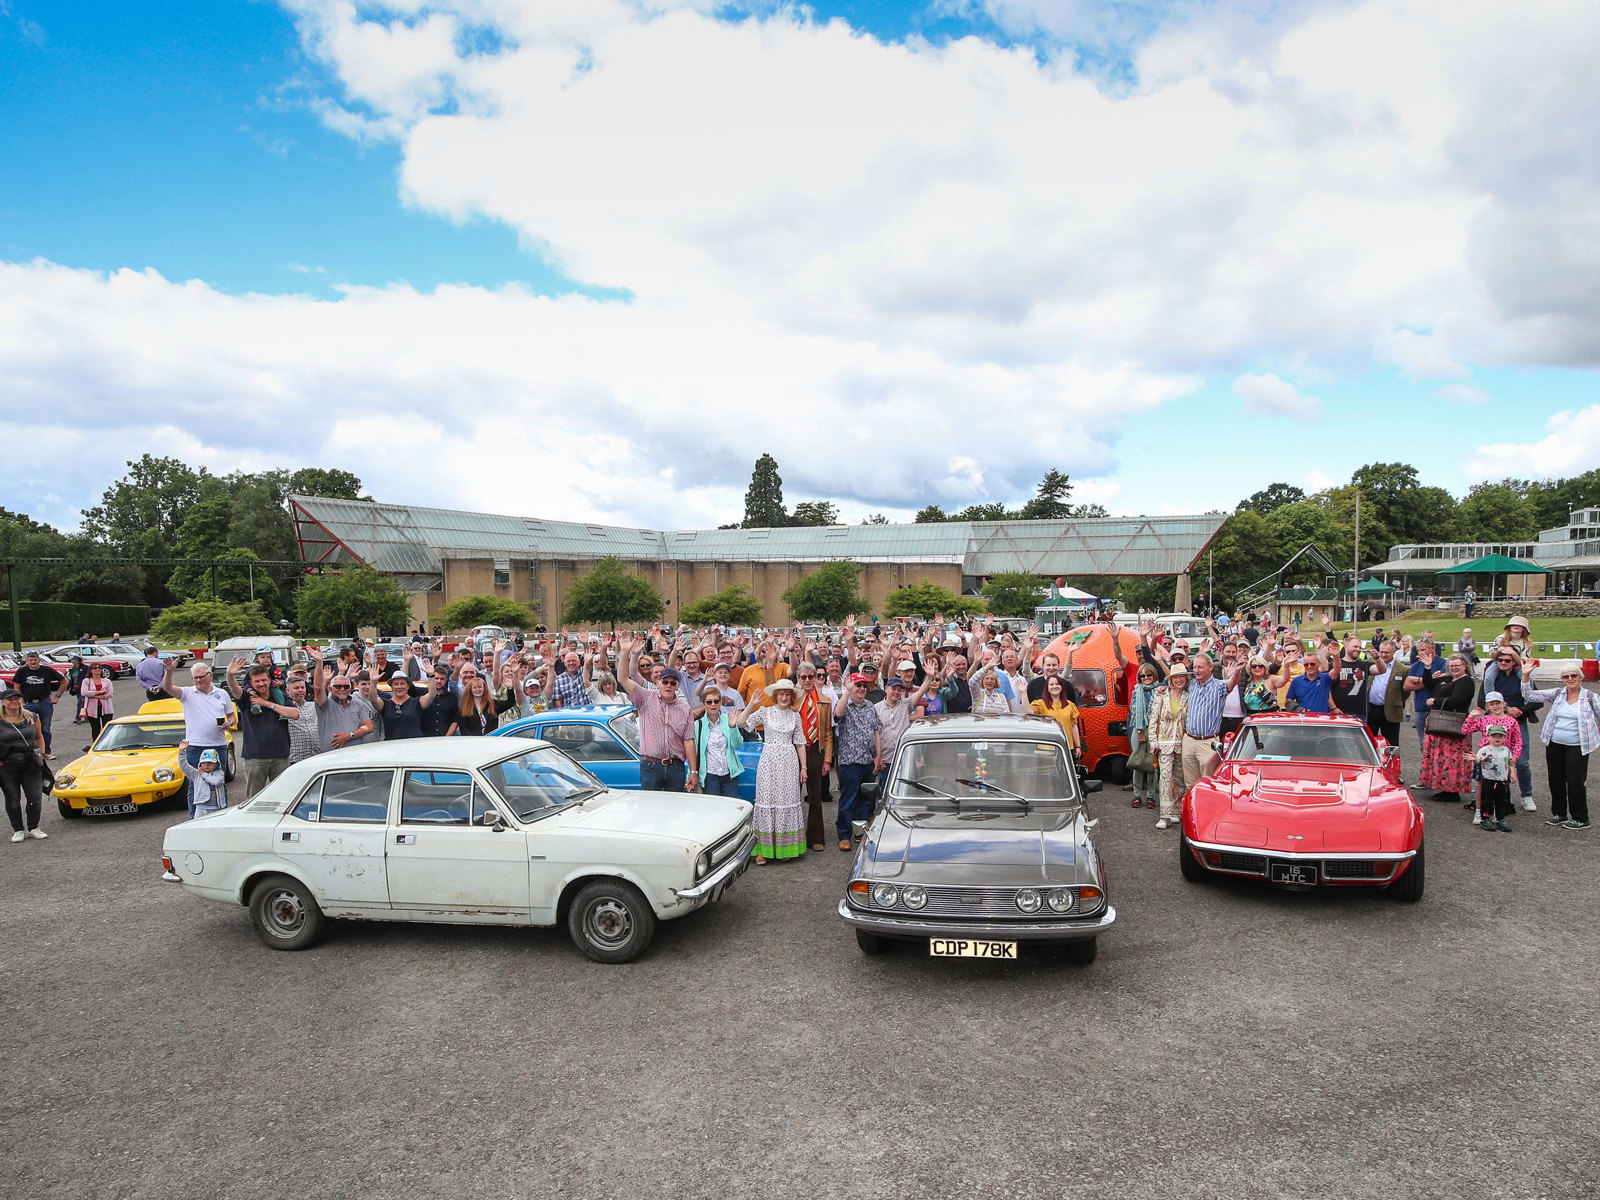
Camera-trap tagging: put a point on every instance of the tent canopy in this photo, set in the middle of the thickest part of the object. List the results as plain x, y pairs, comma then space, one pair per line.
1495, 564
1370, 587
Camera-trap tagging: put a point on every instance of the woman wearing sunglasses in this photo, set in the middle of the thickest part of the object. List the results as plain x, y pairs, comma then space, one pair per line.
1570, 733
716, 745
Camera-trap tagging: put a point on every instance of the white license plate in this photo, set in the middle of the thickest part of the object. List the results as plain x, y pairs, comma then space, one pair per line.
966, 948
106, 810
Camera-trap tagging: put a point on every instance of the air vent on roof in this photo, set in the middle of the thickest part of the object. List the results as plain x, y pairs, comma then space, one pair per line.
752, 535
836, 531
596, 530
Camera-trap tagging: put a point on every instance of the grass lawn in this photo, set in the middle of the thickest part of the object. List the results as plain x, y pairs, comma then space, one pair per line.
1447, 627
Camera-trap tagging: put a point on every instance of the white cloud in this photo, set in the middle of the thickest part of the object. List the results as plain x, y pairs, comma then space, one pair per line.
1420, 356
1462, 393
1316, 481
1571, 447
1276, 397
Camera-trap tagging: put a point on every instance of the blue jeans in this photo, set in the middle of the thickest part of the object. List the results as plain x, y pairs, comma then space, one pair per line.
654, 777
853, 806
720, 785
46, 712
1524, 771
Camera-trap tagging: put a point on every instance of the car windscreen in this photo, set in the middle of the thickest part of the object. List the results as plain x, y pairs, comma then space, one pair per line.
141, 735
532, 781
1268, 741
927, 771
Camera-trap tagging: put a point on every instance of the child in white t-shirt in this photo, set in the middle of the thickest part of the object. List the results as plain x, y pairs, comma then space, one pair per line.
1494, 761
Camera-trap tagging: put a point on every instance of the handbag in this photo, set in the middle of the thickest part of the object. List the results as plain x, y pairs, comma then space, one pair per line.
1445, 724
1141, 759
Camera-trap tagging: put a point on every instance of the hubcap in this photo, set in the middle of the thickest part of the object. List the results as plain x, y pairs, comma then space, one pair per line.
284, 913
608, 922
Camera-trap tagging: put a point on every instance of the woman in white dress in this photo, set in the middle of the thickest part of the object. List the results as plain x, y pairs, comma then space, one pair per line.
780, 821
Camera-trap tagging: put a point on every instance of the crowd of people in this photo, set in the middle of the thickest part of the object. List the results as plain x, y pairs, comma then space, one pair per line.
828, 707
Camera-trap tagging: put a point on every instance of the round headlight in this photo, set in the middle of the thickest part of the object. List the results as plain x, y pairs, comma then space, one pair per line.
885, 895
914, 896
702, 864
1061, 899
1028, 900
162, 775
64, 781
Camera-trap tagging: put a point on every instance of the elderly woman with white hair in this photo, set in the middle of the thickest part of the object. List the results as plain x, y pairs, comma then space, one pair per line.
780, 821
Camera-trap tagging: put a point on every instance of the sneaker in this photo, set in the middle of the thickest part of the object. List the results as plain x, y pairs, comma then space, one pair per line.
1552, 820
1162, 823
1137, 801
1149, 801
1528, 805
1575, 825
1477, 818
1485, 823
38, 833
18, 836
1504, 825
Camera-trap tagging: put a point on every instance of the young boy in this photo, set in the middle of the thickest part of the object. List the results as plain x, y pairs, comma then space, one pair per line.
208, 784
1478, 722
1494, 760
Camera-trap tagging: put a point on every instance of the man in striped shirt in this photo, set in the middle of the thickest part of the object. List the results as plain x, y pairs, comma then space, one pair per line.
1207, 695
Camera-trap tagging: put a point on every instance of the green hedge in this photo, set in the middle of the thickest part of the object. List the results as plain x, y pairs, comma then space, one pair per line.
60, 620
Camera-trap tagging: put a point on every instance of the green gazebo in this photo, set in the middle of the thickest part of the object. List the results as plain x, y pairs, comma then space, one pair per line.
1496, 564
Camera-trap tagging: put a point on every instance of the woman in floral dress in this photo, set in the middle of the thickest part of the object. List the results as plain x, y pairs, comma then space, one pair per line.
780, 821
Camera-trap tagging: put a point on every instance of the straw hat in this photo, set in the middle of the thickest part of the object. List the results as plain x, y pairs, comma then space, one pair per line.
777, 686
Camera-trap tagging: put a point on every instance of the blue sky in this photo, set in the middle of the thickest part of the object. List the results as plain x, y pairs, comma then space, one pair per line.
787, 260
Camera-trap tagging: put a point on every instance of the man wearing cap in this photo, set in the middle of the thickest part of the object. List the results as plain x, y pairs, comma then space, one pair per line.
342, 716
207, 712
860, 750
41, 686
666, 726
895, 711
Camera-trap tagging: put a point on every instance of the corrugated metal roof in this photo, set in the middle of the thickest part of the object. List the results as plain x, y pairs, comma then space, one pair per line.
402, 538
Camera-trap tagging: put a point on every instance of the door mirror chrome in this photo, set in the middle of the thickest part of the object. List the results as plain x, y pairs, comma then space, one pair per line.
1091, 786
858, 830
494, 820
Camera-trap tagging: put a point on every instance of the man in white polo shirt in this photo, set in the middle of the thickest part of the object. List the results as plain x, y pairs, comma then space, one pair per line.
207, 712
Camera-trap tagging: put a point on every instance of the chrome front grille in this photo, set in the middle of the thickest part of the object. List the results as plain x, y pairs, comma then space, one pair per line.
722, 849
1249, 864
981, 902
1356, 868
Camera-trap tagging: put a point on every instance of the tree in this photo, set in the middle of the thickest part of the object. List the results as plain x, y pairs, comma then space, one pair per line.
1497, 512
983, 512
1052, 501
924, 599
350, 600
1274, 495
828, 594
1013, 593
608, 594
875, 519
930, 515
468, 612
763, 500
140, 514
208, 620
815, 512
326, 481
203, 534
734, 605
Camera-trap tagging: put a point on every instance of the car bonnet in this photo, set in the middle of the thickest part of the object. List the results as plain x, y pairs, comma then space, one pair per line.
981, 845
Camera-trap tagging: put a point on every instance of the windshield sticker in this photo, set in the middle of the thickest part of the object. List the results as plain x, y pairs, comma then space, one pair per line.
1272, 758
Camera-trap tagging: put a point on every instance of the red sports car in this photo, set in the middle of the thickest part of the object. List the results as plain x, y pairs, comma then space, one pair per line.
1305, 800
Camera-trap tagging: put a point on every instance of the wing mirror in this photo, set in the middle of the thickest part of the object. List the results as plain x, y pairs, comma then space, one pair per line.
1091, 786
858, 830
869, 789
494, 820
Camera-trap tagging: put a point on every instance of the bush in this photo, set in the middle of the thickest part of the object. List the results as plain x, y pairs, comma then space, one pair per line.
60, 620
204, 620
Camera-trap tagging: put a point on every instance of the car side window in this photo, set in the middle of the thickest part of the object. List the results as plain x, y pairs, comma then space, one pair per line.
436, 798
306, 809
586, 743
361, 796
482, 805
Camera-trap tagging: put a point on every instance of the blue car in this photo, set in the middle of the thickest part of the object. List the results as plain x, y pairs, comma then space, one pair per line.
605, 739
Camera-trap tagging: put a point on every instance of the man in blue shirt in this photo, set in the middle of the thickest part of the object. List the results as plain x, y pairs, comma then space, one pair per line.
1310, 691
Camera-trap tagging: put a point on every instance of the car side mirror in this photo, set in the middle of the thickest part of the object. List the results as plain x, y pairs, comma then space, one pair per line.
1091, 786
858, 830
86, 747
869, 789
494, 820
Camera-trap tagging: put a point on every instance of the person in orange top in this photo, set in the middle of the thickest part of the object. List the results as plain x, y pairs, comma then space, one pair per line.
762, 674
1054, 703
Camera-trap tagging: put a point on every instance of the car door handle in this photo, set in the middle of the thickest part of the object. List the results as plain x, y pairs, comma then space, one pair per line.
405, 839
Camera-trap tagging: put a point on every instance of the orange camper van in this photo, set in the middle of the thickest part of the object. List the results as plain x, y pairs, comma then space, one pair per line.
1102, 688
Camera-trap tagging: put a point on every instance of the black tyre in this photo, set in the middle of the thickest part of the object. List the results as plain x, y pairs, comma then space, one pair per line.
1192, 870
1081, 954
871, 943
610, 921
232, 767
1408, 888
1114, 769
284, 913
68, 813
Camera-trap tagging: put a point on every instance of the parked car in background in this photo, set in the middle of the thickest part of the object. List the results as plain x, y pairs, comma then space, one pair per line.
981, 844
1305, 800
9, 663
133, 764
116, 665
605, 739
135, 651
466, 831
286, 652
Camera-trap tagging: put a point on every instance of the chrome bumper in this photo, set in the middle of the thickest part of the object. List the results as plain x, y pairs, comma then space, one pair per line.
1311, 855
714, 884
1065, 930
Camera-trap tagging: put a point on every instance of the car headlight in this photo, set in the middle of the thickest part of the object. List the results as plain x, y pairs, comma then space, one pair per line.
885, 895
1028, 900
914, 896
702, 864
162, 775
1062, 900
65, 781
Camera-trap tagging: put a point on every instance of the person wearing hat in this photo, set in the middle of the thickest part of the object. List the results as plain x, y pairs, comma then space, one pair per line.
859, 744
208, 783
1518, 635
779, 816
895, 713
1482, 722
1168, 719
21, 765
1494, 759
275, 672
42, 687
666, 725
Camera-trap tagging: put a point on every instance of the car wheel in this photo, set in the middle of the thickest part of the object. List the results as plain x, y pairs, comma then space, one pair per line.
68, 813
1114, 769
871, 943
232, 768
285, 914
1188, 864
1408, 888
611, 922
1082, 953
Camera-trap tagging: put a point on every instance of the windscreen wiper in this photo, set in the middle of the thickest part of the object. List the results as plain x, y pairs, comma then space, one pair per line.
986, 786
582, 794
922, 787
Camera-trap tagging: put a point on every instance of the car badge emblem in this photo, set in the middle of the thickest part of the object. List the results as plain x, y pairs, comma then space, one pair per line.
1294, 837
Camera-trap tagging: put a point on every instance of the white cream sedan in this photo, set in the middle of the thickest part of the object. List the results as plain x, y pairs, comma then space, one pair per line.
482, 831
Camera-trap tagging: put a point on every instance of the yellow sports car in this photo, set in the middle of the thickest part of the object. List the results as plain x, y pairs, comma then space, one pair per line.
133, 763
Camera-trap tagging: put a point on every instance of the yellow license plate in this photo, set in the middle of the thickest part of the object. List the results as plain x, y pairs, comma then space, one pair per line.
967, 948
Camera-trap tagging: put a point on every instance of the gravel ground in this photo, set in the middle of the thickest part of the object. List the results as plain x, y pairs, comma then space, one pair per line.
1231, 1041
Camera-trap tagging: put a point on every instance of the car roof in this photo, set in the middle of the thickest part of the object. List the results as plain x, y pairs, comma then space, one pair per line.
961, 726
420, 752
601, 712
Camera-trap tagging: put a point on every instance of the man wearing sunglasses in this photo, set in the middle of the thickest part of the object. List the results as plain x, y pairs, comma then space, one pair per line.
342, 716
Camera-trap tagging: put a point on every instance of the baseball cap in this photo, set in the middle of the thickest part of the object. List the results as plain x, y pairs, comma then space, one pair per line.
1490, 697
208, 756
669, 673
869, 668
907, 666
10, 694
1500, 729
263, 649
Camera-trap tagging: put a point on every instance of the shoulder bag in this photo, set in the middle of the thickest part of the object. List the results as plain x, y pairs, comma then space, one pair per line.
1445, 724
